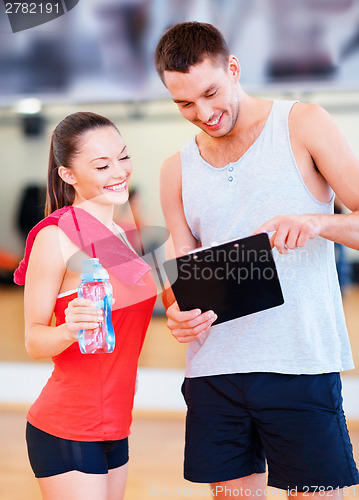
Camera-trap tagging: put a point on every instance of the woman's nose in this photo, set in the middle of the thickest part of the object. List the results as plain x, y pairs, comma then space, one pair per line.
122, 168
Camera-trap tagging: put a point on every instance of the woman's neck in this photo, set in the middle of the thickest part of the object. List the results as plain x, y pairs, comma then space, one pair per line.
104, 213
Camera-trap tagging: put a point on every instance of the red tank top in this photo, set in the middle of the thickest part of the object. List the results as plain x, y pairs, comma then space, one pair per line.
89, 397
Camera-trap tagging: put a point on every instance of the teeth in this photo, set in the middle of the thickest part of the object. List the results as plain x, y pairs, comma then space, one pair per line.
116, 187
214, 122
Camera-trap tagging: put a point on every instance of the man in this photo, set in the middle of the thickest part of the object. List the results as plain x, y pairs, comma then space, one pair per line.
265, 386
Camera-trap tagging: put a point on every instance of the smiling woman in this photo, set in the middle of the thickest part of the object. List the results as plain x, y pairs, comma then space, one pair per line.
85, 408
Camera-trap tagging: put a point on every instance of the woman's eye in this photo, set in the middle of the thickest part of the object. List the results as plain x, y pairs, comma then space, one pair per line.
102, 168
127, 157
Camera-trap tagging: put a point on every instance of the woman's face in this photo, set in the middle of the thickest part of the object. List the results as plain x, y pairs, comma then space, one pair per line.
102, 168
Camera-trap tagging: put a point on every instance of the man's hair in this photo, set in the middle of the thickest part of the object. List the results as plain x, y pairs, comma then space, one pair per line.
187, 44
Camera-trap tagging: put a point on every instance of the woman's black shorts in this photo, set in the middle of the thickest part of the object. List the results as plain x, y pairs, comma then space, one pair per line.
50, 455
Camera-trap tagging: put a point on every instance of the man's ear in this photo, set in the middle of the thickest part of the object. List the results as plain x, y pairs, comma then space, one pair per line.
234, 67
66, 175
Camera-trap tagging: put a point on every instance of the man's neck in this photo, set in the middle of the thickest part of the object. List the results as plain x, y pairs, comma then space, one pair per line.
251, 120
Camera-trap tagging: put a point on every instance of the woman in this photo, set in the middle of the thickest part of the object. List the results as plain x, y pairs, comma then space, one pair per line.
77, 430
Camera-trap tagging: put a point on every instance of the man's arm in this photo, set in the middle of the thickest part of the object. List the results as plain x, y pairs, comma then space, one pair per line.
315, 131
182, 240
184, 325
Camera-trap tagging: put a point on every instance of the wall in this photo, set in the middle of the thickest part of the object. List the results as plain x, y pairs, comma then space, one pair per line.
152, 130
150, 138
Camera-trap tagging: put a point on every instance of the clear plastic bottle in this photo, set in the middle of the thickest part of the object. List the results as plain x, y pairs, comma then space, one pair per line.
95, 286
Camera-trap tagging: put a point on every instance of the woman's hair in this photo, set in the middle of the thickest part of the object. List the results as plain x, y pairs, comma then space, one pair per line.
64, 146
187, 44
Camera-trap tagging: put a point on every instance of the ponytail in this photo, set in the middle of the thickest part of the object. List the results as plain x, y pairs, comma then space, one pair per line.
59, 194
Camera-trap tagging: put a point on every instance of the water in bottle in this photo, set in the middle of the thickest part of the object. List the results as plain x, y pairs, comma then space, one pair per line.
95, 286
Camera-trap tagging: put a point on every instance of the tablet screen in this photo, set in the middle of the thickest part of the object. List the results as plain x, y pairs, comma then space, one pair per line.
233, 279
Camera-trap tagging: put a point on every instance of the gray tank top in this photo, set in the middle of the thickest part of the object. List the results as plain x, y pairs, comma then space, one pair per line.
305, 335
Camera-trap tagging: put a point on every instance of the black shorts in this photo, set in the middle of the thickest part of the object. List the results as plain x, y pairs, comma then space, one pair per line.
50, 455
235, 423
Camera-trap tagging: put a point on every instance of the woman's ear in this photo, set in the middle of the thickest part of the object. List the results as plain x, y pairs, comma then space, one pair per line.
234, 68
66, 175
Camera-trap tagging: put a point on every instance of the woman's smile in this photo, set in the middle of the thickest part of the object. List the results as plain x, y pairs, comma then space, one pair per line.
117, 187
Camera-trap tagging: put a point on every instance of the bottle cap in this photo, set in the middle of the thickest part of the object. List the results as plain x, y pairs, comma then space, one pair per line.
93, 271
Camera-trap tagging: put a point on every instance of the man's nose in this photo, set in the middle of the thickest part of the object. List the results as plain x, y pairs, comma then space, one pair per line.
204, 112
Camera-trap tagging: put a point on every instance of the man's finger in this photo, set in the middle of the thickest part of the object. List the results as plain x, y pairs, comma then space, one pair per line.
269, 226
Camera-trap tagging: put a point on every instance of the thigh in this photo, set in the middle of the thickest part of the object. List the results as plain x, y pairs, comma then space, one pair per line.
117, 479
221, 441
74, 485
302, 426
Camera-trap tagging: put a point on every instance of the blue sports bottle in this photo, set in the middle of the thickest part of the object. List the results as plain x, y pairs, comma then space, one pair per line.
95, 286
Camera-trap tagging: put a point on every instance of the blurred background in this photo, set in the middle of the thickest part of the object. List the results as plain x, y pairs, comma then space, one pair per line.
99, 57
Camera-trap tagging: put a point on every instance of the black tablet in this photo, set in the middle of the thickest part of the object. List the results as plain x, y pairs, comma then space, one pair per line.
234, 279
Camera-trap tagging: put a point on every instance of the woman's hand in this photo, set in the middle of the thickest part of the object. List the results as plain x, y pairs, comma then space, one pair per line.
82, 314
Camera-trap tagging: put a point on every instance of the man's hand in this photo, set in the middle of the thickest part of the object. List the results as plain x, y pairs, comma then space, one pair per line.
292, 231
188, 325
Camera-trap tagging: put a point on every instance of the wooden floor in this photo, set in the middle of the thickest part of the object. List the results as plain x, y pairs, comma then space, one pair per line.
157, 439
156, 450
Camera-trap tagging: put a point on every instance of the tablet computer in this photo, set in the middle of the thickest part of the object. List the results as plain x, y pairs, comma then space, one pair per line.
234, 279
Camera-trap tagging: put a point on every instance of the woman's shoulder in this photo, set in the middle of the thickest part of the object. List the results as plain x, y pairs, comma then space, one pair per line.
47, 236
44, 240
54, 242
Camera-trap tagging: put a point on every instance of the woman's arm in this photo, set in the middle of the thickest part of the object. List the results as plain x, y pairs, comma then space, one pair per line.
44, 277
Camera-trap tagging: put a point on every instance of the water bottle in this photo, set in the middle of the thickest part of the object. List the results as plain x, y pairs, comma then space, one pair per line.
95, 286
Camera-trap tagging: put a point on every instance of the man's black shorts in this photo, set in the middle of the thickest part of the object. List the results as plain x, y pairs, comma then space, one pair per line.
237, 422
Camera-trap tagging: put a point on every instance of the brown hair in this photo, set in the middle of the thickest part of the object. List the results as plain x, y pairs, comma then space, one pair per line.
187, 44
64, 147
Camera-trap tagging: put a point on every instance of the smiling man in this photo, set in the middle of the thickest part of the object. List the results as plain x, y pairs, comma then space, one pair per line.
265, 387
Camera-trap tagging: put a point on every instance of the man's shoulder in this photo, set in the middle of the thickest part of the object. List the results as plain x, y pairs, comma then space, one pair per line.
303, 112
172, 162
171, 172
307, 122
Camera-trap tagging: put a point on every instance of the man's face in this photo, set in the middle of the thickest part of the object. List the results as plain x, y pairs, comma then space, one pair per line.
207, 95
